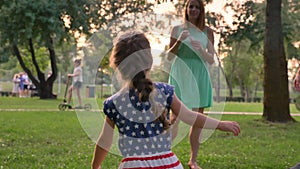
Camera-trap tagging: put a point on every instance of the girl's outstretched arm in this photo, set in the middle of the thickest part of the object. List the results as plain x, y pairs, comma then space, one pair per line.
103, 144
201, 120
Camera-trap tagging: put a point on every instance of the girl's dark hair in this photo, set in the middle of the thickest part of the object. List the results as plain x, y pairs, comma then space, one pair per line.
131, 56
78, 61
143, 85
201, 19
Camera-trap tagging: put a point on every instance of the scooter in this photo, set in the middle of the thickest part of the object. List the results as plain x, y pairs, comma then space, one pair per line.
63, 106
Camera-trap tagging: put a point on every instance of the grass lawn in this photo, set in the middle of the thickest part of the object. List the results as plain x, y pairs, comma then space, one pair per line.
53, 139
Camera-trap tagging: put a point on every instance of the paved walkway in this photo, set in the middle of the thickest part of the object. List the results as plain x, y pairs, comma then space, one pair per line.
94, 110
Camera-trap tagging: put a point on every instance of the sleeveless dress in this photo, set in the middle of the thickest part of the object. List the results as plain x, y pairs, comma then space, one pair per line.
189, 73
142, 140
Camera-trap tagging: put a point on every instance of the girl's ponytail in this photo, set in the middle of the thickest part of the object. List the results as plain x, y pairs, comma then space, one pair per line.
143, 85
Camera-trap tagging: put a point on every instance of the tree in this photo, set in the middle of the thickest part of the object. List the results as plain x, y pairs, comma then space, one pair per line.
241, 42
33, 24
250, 25
276, 95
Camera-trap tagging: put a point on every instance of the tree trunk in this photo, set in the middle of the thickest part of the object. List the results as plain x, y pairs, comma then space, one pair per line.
256, 87
43, 86
276, 95
45, 90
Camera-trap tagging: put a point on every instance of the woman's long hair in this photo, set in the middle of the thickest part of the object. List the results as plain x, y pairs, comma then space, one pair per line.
201, 18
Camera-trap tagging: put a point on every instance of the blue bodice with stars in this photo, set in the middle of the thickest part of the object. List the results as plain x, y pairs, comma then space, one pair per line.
140, 133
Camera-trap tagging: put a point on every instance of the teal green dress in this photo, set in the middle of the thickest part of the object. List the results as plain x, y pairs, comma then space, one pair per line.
189, 73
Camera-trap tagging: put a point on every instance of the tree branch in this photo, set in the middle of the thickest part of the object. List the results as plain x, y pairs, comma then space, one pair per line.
41, 75
21, 61
52, 60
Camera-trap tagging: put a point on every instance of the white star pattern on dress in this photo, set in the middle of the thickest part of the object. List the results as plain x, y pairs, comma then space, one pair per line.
139, 131
133, 134
147, 118
136, 126
152, 125
140, 118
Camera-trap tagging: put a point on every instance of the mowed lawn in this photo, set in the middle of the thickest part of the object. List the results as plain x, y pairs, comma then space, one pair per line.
39, 136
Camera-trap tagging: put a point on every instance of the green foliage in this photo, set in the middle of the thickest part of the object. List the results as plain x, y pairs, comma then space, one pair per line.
41, 57
290, 22
249, 26
243, 67
35, 24
22, 20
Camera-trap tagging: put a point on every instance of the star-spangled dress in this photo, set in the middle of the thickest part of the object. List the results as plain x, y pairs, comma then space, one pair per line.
142, 141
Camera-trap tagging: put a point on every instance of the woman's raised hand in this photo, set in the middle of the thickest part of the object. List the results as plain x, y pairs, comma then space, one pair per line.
184, 34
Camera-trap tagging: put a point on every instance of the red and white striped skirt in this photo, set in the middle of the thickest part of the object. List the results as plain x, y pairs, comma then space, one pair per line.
166, 160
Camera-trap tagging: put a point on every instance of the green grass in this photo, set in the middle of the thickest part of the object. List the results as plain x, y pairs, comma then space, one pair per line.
251, 107
54, 139
36, 103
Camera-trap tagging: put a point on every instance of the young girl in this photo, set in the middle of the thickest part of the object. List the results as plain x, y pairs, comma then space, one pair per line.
140, 111
77, 83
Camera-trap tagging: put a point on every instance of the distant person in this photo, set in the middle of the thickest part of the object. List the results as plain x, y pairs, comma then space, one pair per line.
192, 43
26, 92
297, 81
77, 83
49, 74
16, 83
141, 111
21, 84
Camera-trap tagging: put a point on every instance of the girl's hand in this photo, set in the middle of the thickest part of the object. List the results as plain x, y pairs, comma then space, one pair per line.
230, 126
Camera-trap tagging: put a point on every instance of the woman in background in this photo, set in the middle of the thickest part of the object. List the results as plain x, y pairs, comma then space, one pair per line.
192, 43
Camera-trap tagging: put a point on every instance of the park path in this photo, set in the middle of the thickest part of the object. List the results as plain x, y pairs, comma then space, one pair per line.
56, 110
